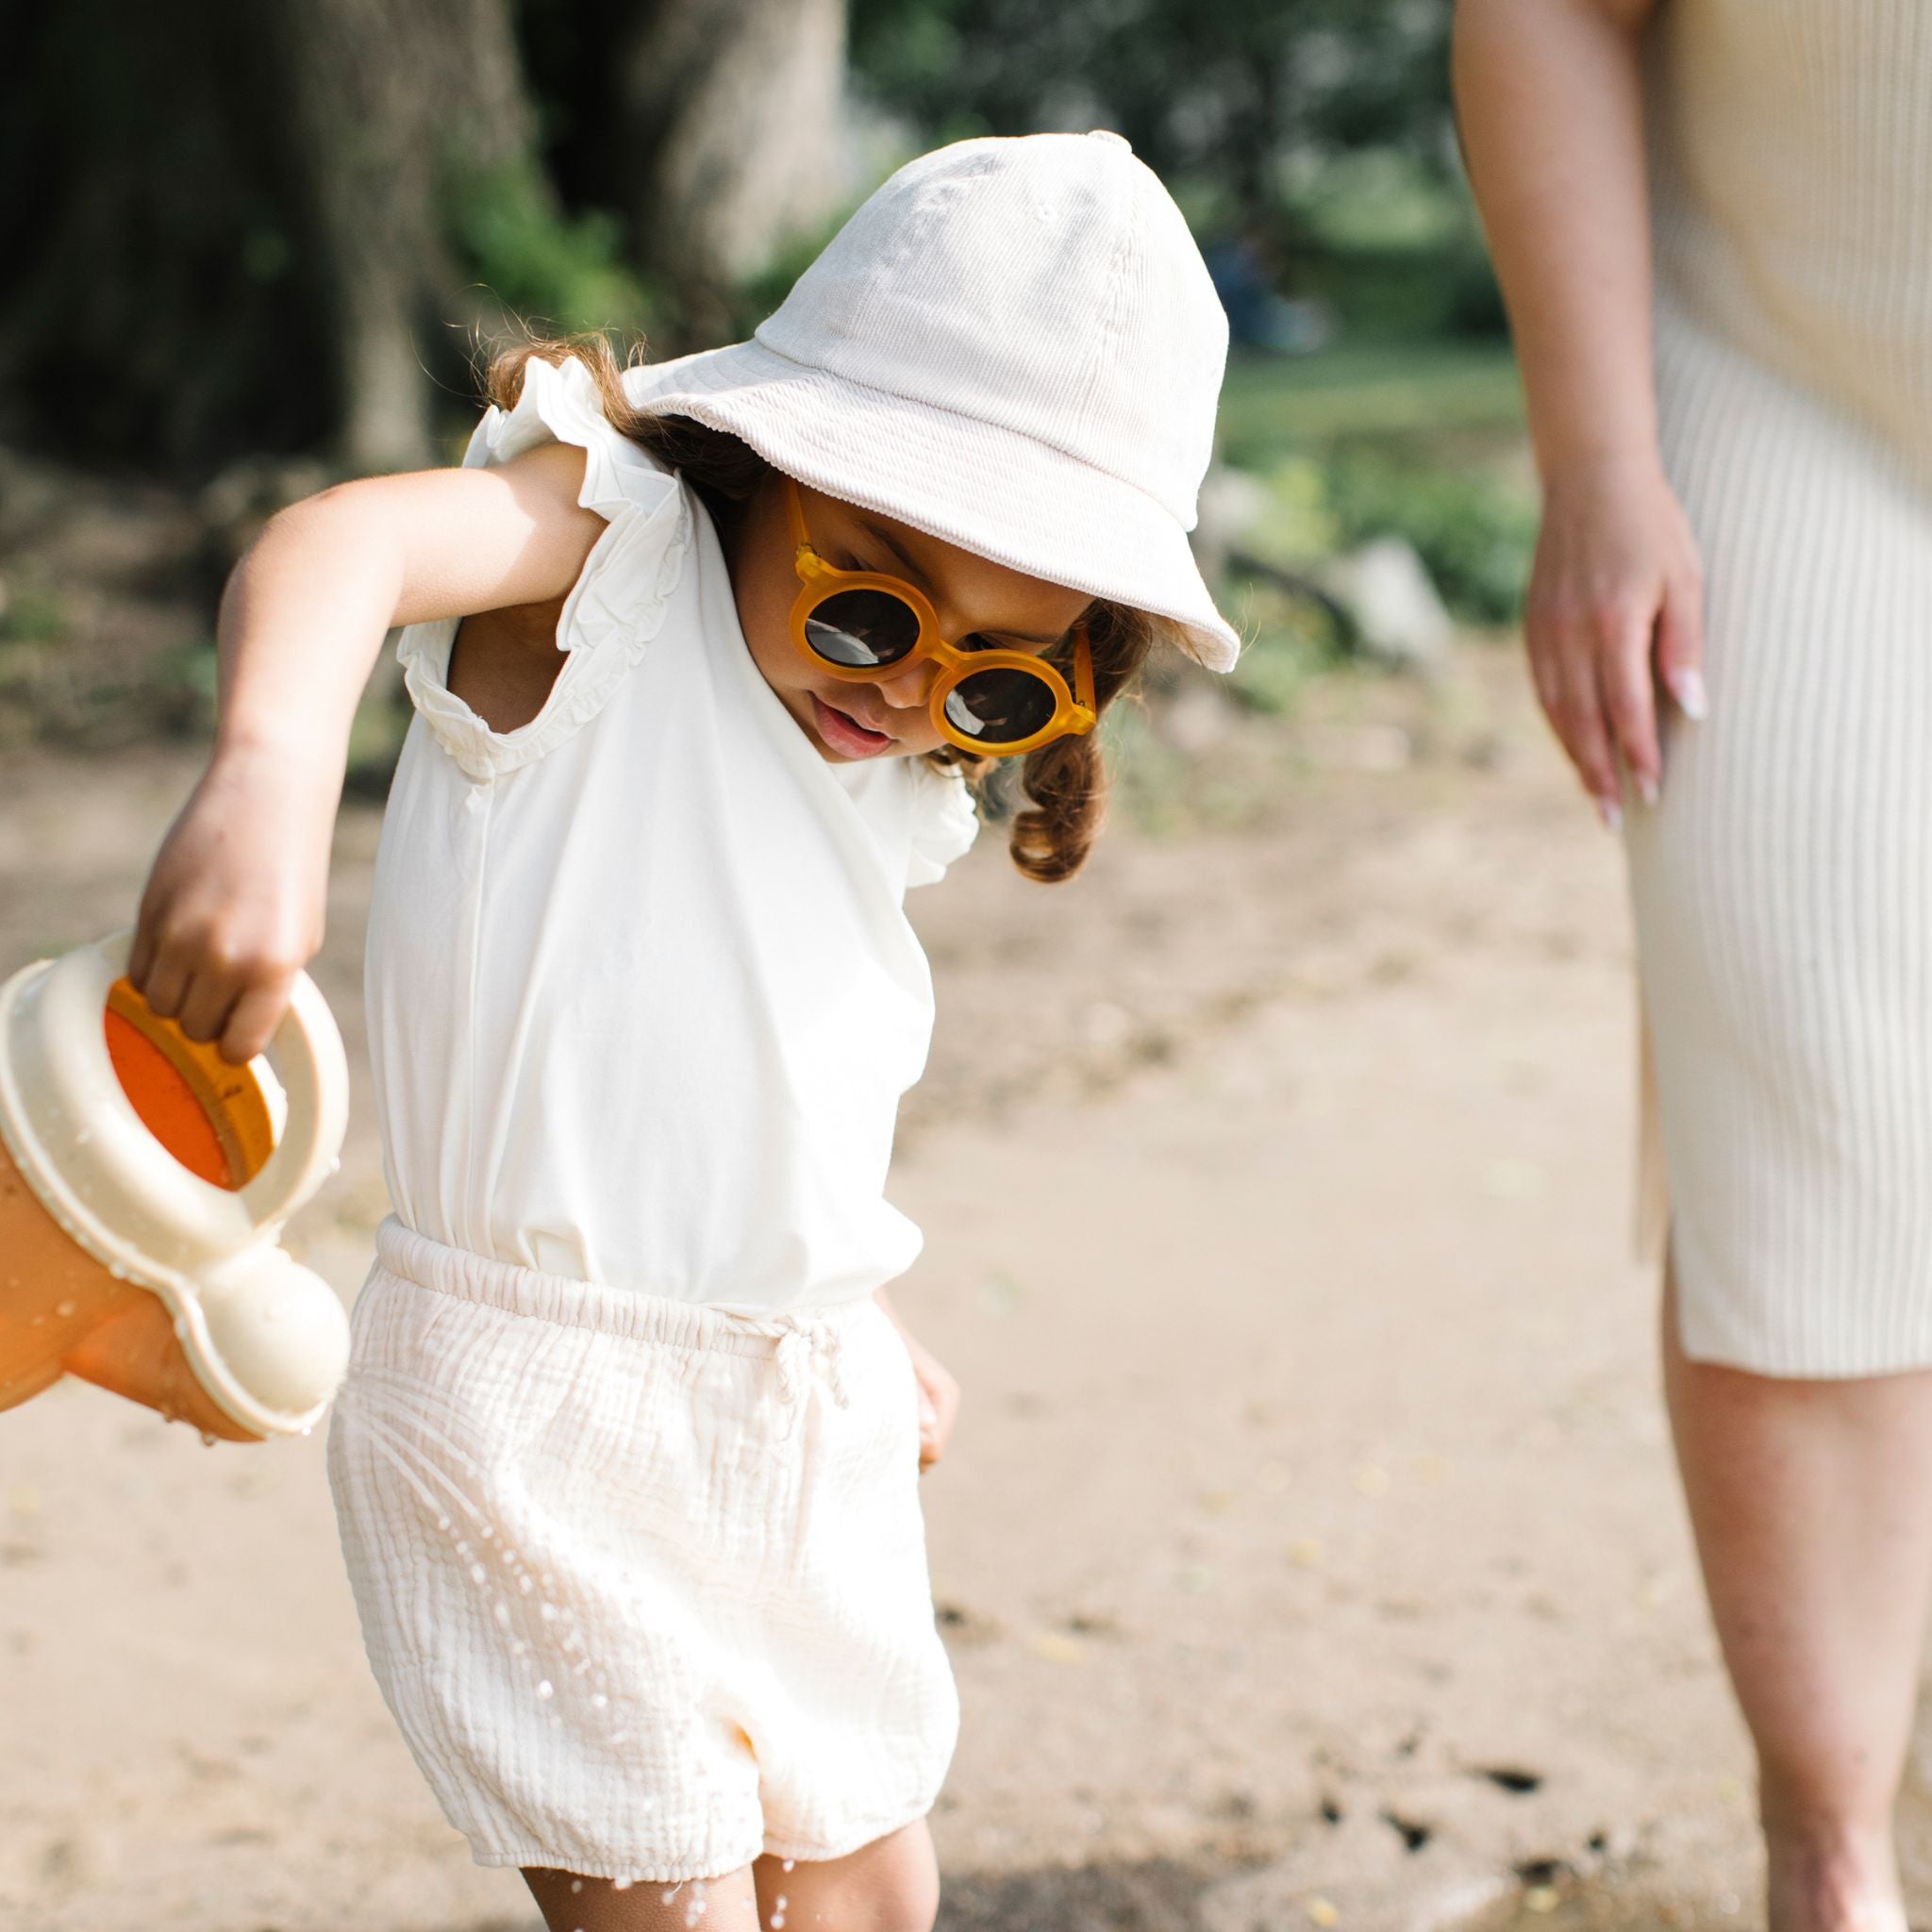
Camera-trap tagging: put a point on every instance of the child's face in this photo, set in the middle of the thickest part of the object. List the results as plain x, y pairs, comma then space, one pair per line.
887, 717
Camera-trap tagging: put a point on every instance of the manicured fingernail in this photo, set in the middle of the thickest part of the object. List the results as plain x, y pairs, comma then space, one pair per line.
1646, 788
1611, 813
1692, 699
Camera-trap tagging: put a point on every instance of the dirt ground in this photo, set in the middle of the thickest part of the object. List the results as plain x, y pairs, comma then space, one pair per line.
1309, 1550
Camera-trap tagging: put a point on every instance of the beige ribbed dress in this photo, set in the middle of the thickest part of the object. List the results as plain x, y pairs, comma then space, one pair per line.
1783, 888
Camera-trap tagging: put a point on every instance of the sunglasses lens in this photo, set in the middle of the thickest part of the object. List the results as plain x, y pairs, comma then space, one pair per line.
862, 629
1002, 705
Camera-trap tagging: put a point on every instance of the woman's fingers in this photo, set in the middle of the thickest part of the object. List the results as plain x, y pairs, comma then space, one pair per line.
1573, 697
1680, 644
1624, 636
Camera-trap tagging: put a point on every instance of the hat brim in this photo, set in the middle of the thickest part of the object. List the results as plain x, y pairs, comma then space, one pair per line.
1000, 494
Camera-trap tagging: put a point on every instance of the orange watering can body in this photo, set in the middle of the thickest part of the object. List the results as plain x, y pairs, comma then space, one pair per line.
144, 1185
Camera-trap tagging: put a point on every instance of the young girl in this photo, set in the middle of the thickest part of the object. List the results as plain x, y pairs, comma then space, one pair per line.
700, 656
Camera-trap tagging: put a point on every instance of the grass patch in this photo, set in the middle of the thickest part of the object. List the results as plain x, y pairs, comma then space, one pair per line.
1394, 389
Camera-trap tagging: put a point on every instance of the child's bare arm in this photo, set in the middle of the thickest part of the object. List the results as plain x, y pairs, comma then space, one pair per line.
233, 907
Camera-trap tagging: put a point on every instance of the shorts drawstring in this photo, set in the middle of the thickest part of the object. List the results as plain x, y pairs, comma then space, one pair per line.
808, 1346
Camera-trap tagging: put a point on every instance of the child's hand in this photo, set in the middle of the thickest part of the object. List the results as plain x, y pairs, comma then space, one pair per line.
939, 1393
233, 909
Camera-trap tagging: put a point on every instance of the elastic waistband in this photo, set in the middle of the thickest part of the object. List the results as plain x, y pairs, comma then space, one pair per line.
621, 1311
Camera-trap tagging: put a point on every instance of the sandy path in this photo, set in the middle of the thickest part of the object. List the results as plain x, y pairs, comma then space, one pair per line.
1310, 1536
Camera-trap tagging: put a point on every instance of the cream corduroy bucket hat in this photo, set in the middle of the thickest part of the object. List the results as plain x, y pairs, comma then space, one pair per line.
1013, 346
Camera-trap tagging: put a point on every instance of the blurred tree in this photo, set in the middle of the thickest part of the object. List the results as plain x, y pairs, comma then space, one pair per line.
158, 302
399, 111
716, 126
235, 226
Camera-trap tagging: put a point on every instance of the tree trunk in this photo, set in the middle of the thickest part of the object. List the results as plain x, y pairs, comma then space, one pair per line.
733, 116
396, 105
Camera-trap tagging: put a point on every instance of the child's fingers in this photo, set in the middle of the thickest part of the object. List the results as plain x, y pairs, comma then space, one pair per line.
205, 1004
167, 982
253, 1018
141, 952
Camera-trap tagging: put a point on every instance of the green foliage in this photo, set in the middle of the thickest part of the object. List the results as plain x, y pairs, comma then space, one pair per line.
567, 271
1473, 530
1413, 442
1220, 88
1360, 391
31, 615
1473, 526
1290, 644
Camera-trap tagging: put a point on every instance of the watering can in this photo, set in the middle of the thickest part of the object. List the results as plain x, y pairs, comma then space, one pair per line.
144, 1185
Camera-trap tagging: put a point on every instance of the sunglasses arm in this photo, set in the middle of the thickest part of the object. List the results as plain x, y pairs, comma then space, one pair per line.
1083, 675
807, 558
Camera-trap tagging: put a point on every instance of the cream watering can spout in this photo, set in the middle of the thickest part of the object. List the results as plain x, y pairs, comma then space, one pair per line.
143, 1191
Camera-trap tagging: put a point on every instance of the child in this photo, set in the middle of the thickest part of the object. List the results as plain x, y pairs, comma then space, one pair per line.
701, 655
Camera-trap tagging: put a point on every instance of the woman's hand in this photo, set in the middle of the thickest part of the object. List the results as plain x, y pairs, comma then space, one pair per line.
234, 906
939, 1393
1614, 610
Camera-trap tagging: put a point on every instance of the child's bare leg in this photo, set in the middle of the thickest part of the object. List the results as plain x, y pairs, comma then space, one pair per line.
892, 1885
570, 1904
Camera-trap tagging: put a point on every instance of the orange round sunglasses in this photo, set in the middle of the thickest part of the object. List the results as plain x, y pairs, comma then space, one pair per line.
862, 625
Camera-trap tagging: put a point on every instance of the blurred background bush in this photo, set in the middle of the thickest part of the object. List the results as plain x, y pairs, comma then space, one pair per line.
255, 247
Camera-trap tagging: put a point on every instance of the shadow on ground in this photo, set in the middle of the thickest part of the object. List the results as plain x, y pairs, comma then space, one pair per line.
1156, 1896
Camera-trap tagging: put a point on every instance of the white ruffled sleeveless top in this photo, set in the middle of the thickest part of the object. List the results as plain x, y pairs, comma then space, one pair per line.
643, 996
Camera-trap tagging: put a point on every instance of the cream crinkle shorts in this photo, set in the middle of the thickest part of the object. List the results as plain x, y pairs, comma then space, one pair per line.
642, 1582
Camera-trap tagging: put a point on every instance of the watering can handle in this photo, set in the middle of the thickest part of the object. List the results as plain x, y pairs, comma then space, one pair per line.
305, 1050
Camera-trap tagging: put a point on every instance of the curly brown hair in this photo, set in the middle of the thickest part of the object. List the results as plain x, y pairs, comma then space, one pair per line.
1065, 782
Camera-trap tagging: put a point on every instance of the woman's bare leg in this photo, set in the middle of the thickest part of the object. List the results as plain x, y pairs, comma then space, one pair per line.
570, 1904
892, 1885
1812, 1506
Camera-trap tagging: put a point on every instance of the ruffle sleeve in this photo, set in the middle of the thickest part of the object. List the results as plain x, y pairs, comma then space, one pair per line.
944, 822
618, 602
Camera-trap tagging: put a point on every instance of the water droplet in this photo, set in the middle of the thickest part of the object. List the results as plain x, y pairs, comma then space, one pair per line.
790, 1864
442, 1523
502, 1615
208, 1440
546, 1689
64, 1308
577, 1884
477, 1574
598, 1700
